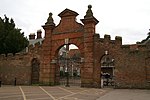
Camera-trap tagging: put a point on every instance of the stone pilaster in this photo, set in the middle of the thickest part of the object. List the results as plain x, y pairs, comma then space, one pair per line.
89, 22
46, 68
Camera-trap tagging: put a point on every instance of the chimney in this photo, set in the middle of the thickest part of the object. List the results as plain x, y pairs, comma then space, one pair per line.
39, 32
32, 36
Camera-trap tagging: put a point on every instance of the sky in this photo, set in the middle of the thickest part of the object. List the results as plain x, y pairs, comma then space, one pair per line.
129, 19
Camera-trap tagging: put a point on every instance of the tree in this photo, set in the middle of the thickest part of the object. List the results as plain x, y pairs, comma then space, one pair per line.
147, 38
12, 40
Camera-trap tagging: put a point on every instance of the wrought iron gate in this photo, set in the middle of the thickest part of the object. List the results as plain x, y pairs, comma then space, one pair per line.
69, 71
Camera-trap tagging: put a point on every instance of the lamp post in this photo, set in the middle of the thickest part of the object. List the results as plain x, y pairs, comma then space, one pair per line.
67, 58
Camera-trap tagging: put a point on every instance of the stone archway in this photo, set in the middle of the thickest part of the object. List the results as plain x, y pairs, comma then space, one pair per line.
80, 35
56, 57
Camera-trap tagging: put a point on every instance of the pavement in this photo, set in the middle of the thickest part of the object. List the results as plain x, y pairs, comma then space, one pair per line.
70, 93
126, 94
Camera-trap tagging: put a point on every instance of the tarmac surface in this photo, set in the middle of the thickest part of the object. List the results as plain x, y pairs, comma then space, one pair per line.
70, 93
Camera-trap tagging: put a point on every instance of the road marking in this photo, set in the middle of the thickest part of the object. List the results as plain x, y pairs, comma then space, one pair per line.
66, 90
24, 97
10, 96
47, 98
72, 98
71, 94
48, 93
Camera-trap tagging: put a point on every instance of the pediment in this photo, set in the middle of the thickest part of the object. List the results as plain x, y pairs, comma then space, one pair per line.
68, 12
68, 23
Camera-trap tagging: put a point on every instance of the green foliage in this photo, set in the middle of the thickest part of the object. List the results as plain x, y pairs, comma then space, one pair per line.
12, 40
147, 38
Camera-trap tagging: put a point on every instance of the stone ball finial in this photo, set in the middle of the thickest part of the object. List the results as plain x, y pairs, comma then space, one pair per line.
50, 14
89, 6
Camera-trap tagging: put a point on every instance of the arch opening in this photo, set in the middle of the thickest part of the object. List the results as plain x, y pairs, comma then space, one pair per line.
107, 71
69, 65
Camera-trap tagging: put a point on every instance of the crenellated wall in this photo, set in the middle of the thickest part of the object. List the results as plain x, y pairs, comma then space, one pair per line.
18, 66
132, 67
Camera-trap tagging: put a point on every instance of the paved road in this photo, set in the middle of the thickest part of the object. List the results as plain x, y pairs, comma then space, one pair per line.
70, 93
126, 94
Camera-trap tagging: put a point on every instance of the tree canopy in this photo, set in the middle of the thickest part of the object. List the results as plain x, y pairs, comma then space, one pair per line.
148, 37
12, 40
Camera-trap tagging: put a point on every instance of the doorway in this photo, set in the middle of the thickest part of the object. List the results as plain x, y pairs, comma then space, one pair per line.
35, 65
107, 71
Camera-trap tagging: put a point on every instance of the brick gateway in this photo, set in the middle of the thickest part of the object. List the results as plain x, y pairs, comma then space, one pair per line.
129, 64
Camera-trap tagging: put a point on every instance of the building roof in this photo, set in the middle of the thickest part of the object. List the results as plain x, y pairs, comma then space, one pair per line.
34, 41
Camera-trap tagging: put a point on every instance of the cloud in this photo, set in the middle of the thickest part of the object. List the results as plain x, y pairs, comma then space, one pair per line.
117, 17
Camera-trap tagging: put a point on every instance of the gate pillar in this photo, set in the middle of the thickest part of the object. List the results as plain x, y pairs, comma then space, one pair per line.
52, 77
87, 77
46, 66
